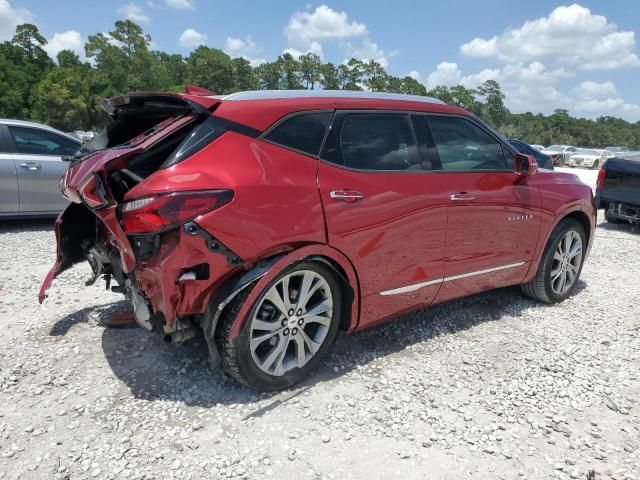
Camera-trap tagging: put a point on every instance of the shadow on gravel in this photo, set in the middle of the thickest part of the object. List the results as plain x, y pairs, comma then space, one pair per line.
26, 225
153, 370
619, 227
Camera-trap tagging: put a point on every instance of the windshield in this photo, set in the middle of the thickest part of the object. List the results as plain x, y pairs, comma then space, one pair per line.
590, 152
555, 148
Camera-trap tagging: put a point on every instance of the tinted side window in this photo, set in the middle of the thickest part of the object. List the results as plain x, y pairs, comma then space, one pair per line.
303, 132
41, 142
378, 141
463, 146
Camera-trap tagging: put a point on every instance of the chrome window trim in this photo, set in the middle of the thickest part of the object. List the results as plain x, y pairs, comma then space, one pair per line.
417, 286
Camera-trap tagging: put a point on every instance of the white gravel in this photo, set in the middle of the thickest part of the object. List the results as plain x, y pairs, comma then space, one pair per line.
491, 386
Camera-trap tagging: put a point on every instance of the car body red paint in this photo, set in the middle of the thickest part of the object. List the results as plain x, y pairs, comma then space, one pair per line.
406, 231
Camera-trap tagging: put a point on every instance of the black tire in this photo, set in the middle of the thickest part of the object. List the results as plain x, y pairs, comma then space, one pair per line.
540, 287
237, 359
595, 165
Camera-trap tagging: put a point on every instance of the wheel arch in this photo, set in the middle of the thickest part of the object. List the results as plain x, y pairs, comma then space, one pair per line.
578, 214
266, 270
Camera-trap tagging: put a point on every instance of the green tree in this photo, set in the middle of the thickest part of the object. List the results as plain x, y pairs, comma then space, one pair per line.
270, 76
310, 64
493, 109
244, 77
290, 68
210, 68
329, 79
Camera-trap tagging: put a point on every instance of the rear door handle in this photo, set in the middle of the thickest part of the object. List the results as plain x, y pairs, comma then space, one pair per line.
348, 196
32, 166
462, 196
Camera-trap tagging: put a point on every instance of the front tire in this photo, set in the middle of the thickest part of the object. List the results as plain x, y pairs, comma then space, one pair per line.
595, 165
290, 328
560, 265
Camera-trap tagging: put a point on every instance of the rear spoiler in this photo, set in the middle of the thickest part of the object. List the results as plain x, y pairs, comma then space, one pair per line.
195, 98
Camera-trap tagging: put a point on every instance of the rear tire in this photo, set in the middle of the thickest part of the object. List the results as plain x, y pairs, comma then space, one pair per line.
276, 349
561, 262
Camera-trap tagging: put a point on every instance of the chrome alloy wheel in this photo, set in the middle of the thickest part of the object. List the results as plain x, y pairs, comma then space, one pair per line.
566, 262
291, 322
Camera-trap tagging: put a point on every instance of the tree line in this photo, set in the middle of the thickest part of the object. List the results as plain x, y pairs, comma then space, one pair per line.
66, 93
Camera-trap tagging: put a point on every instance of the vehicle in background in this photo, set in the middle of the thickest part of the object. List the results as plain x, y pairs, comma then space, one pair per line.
617, 150
31, 165
269, 221
82, 135
559, 153
630, 154
537, 147
618, 190
589, 158
544, 161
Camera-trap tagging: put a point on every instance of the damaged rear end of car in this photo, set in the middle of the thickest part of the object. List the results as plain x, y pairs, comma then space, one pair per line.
142, 236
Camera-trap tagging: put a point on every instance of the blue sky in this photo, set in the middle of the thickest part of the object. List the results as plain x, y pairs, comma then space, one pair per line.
546, 54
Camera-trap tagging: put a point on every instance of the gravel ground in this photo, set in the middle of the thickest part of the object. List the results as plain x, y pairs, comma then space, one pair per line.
491, 386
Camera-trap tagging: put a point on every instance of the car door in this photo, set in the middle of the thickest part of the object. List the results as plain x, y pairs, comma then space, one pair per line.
39, 165
8, 176
383, 210
493, 220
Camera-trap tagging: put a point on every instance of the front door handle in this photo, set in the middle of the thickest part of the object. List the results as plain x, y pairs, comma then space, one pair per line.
348, 196
31, 166
462, 196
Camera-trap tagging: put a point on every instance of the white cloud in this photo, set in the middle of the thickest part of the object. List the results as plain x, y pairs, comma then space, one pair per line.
414, 74
570, 35
69, 40
368, 50
594, 90
134, 13
10, 18
179, 4
323, 23
192, 38
247, 48
446, 73
307, 29
314, 47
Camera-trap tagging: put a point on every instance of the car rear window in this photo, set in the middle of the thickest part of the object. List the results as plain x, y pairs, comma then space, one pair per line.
303, 132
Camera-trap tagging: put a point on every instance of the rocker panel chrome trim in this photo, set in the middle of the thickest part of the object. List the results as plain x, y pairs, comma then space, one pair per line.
417, 286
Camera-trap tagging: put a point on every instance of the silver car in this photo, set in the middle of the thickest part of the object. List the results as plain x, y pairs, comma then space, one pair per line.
31, 165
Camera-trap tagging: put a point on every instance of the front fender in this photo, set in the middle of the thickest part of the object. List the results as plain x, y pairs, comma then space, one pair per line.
306, 252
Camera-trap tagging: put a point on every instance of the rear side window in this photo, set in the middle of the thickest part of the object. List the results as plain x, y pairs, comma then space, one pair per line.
373, 141
464, 146
303, 132
205, 133
40, 142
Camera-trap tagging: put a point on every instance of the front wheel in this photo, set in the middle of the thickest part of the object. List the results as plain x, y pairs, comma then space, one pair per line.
595, 165
289, 330
560, 265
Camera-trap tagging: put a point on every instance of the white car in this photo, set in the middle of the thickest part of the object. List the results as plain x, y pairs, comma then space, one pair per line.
538, 147
590, 158
560, 154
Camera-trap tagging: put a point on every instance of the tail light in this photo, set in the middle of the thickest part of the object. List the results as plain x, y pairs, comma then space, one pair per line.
93, 193
163, 212
600, 181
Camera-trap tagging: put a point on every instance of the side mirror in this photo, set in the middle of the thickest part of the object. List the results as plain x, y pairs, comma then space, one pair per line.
525, 166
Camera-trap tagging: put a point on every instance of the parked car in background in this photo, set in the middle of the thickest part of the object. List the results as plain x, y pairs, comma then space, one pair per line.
270, 220
538, 147
617, 149
559, 153
544, 161
82, 135
618, 190
589, 158
31, 165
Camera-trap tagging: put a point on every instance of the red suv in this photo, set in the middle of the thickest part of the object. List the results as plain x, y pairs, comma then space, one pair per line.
271, 220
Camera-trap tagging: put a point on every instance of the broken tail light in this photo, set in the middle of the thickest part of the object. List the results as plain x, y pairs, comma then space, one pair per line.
93, 193
600, 182
164, 212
